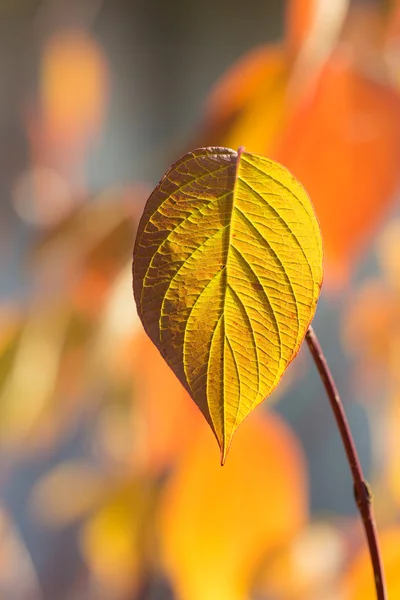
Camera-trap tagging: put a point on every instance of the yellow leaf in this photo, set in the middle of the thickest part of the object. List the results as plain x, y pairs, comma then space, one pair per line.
114, 541
227, 272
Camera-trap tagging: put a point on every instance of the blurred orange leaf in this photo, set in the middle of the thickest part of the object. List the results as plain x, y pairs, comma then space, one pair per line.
392, 470
299, 19
247, 106
311, 29
306, 568
166, 418
329, 115
73, 88
343, 142
370, 330
218, 522
359, 581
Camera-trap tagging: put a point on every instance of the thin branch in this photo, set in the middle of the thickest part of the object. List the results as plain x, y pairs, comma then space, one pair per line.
361, 490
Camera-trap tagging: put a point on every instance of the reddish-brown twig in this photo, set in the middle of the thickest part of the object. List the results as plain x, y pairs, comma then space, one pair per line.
361, 490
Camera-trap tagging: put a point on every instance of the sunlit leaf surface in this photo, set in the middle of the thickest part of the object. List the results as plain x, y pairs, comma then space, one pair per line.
227, 272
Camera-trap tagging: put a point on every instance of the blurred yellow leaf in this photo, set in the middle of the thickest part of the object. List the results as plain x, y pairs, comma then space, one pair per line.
114, 540
248, 105
388, 248
10, 324
31, 379
227, 273
217, 523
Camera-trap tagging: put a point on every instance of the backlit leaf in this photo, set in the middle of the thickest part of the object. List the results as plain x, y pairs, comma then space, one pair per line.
227, 272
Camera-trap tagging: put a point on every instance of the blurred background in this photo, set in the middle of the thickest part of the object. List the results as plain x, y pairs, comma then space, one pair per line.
110, 484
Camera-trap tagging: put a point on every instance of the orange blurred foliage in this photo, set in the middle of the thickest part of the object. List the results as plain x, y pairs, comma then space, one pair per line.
359, 581
217, 523
252, 112
66, 119
343, 143
74, 87
330, 114
166, 417
308, 568
298, 19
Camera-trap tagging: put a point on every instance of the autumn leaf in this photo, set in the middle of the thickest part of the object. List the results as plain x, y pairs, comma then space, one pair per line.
115, 540
28, 389
342, 142
227, 271
321, 102
248, 105
299, 16
61, 125
216, 525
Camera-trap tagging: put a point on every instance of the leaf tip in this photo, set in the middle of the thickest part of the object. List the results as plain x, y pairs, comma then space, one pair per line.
225, 446
223, 457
